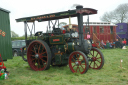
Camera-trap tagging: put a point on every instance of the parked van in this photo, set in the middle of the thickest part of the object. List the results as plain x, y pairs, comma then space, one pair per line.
17, 46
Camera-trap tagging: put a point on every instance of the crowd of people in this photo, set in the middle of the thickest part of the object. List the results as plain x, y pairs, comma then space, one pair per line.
114, 44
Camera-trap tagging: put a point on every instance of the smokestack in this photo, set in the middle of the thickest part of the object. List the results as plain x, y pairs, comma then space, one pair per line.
80, 24
79, 7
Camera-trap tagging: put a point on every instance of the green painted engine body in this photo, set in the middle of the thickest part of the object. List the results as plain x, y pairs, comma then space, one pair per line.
60, 46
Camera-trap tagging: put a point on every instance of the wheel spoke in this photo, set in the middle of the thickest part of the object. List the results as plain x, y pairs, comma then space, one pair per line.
73, 66
44, 60
33, 55
94, 65
77, 68
93, 52
39, 48
77, 56
98, 61
98, 58
36, 45
73, 59
39, 66
82, 60
81, 66
43, 49
33, 59
90, 63
96, 54
43, 63
34, 50
41, 56
72, 62
43, 53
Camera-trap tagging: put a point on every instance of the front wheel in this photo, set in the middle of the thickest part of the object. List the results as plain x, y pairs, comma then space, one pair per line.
78, 62
96, 59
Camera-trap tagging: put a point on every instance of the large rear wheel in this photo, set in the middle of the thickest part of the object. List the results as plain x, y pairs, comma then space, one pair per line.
96, 59
39, 55
78, 62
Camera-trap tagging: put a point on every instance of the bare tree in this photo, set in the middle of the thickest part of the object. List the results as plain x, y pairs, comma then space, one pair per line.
119, 15
107, 17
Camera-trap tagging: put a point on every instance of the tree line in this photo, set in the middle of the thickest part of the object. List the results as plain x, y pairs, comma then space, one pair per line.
118, 15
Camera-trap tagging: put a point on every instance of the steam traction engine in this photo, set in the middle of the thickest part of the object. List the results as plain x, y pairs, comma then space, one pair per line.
59, 47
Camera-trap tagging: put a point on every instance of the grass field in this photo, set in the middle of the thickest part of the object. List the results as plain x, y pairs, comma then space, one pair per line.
110, 74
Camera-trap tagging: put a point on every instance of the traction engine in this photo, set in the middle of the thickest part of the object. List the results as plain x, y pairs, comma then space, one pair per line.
59, 47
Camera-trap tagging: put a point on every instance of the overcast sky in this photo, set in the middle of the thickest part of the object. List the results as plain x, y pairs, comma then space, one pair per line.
26, 8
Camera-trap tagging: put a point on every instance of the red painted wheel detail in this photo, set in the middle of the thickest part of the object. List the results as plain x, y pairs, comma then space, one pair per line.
96, 59
78, 62
39, 55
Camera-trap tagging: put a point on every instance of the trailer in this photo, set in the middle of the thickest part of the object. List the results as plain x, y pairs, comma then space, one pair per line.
122, 31
98, 31
5, 35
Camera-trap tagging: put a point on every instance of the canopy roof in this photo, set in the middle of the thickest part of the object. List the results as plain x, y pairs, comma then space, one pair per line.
58, 15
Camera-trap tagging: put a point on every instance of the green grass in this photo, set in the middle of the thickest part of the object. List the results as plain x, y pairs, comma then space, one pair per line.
110, 74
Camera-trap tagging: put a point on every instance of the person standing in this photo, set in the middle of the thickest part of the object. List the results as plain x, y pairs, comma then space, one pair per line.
89, 37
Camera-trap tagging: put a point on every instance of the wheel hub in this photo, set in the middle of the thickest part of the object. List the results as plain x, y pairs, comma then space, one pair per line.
94, 58
36, 56
77, 63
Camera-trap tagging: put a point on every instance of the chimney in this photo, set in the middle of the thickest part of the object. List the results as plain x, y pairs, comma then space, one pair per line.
80, 24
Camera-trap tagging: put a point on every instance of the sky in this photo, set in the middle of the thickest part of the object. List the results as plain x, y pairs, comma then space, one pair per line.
27, 8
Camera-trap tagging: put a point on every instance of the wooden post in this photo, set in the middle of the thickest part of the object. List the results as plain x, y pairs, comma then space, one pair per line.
121, 63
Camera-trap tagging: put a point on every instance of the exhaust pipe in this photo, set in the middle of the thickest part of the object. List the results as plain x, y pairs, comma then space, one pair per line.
80, 25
